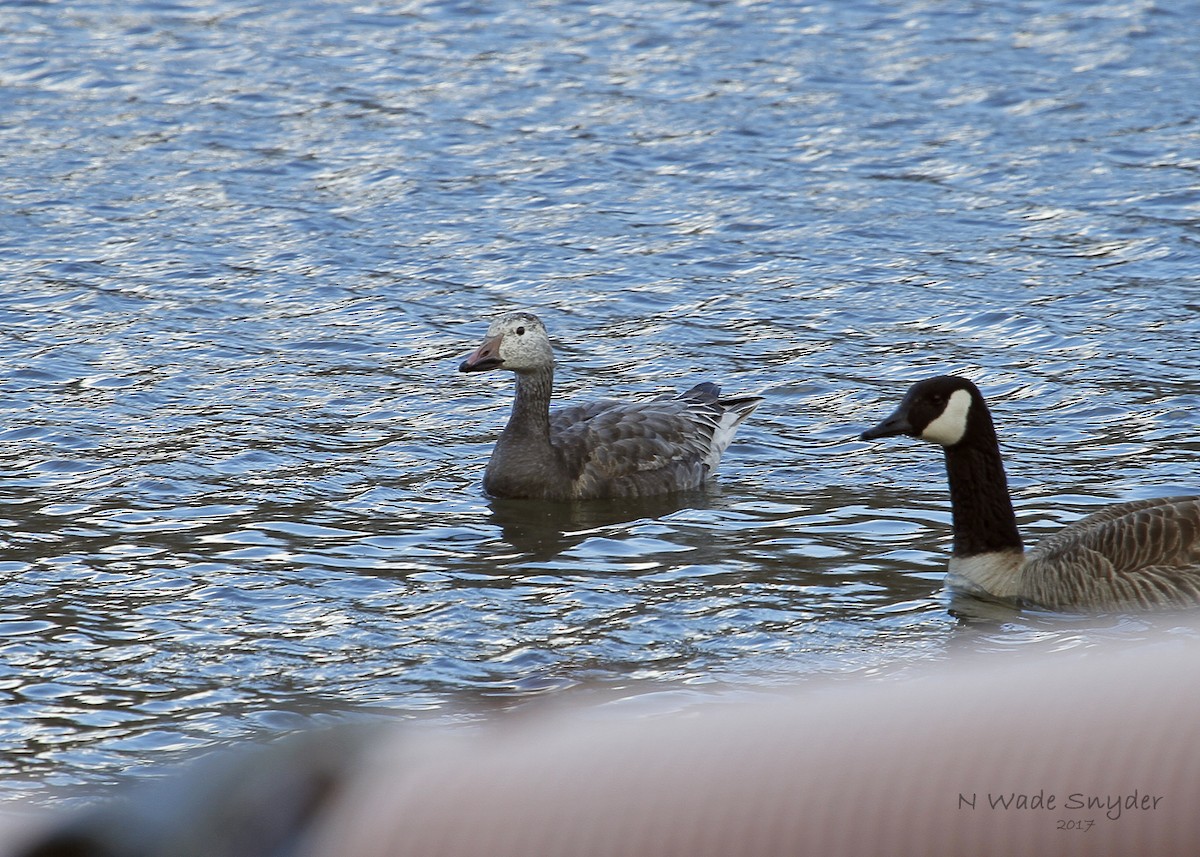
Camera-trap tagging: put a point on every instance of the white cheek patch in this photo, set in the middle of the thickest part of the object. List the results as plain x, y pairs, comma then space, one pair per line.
950, 426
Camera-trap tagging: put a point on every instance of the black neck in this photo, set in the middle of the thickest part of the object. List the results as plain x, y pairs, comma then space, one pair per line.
983, 513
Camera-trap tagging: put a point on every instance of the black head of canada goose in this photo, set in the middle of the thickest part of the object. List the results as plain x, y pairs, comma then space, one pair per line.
603, 448
1136, 555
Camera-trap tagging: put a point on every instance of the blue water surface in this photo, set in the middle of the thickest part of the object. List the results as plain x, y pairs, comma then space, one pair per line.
244, 247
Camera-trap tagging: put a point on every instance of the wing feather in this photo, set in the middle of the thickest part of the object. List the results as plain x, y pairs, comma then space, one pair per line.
616, 448
1144, 553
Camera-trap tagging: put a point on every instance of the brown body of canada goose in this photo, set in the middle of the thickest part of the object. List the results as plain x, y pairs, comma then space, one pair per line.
1141, 554
600, 449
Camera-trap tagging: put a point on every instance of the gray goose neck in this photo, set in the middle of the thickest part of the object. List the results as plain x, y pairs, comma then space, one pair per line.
531, 406
984, 521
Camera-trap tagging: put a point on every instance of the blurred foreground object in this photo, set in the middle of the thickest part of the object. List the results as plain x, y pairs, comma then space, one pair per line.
1086, 752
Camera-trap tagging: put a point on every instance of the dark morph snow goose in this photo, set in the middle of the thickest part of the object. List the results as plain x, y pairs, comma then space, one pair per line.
1135, 555
604, 448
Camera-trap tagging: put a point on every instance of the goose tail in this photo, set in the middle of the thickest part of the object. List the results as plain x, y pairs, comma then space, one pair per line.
734, 411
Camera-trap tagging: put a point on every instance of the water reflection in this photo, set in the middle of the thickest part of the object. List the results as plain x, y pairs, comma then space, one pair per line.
538, 531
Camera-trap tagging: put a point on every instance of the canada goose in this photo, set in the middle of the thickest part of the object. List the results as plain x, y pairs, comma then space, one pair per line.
1139, 554
605, 448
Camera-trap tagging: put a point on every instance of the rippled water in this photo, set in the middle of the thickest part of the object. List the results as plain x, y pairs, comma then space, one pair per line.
244, 248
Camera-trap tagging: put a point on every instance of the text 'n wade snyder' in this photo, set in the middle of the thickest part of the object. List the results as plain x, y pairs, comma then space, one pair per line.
1111, 805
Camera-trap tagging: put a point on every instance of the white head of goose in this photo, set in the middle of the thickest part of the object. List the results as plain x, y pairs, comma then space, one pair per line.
604, 448
1137, 555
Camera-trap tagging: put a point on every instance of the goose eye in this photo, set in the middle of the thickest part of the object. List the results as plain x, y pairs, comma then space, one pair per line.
520, 331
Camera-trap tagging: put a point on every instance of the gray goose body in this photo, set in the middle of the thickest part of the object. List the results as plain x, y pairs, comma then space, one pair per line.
1141, 554
604, 448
